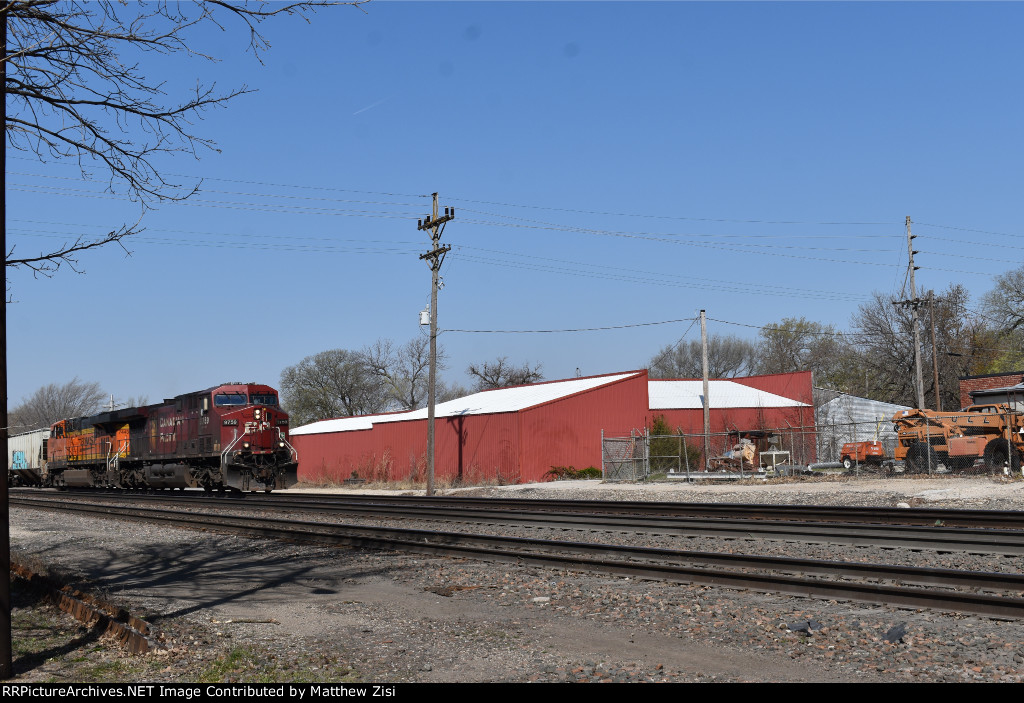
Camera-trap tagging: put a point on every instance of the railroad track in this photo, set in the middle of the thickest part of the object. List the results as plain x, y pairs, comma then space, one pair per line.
579, 516
1004, 519
982, 593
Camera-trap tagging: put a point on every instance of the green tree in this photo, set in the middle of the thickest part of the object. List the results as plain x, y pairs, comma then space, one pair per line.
798, 344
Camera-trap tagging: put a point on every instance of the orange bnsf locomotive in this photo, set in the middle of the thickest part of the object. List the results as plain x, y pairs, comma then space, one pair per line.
233, 436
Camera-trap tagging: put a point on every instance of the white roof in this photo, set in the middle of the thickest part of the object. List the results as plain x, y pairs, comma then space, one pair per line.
502, 400
689, 395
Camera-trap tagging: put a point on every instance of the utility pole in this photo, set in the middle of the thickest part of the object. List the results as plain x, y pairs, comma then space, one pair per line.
435, 257
707, 405
914, 302
5, 620
5, 529
935, 353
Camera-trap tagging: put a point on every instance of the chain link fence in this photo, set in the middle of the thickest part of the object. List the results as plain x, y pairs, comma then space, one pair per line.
726, 454
624, 458
785, 451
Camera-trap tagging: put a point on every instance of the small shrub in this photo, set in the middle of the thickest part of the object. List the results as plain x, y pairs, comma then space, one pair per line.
569, 473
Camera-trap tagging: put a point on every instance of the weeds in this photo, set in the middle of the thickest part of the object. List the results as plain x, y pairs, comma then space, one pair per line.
570, 473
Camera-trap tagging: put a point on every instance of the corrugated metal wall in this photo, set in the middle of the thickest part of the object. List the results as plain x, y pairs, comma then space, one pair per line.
797, 385
567, 432
796, 425
510, 447
471, 447
852, 419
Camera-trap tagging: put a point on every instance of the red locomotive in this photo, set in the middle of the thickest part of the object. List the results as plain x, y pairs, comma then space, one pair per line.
233, 436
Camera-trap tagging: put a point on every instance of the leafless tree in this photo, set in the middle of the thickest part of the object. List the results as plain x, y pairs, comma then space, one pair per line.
405, 369
798, 344
450, 391
885, 336
56, 401
334, 383
728, 357
502, 374
75, 90
1004, 304
135, 401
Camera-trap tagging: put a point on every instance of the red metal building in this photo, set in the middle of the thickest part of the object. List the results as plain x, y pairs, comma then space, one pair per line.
779, 403
518, 434
511, 434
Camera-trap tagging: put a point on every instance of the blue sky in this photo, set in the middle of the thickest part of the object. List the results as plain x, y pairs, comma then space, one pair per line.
612, 163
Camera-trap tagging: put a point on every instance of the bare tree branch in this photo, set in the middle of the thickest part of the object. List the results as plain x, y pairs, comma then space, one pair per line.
74, 89
502, 374
55, 402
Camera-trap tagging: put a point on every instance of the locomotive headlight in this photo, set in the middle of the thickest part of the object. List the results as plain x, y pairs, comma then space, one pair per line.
245, 445
281, 444
257, 413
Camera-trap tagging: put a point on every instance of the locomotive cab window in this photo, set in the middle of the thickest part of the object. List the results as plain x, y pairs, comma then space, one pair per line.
229, 399
264, 399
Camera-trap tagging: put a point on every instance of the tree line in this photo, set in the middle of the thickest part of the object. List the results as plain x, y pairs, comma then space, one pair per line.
874, 356
384, 377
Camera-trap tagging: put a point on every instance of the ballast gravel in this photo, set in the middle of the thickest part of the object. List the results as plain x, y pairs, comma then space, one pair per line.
238, 609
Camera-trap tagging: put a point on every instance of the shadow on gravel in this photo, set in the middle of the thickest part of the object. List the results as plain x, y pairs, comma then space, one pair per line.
209, 573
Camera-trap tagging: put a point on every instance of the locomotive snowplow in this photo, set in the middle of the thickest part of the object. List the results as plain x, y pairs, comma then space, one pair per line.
993, 433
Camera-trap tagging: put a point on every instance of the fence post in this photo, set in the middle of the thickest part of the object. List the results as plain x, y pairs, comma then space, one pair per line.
602, 454
686, 458
645, 467
1009, 445
928, 444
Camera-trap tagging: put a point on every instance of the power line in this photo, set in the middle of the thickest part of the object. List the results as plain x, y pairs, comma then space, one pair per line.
578, 329
672, 348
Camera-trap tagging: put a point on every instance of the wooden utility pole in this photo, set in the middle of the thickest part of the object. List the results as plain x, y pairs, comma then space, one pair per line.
707, 405
935, 353
914, 302
435, 257
5, 536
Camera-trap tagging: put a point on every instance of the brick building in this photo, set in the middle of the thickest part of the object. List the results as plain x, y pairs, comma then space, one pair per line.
987, 382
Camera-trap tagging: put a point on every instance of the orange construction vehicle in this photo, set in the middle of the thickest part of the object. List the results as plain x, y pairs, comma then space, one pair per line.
857, 453
993, 433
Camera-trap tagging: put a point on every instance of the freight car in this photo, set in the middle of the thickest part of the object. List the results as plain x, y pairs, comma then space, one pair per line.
26, 458
233, 436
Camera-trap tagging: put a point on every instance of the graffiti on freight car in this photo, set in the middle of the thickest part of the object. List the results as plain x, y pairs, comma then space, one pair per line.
18, 461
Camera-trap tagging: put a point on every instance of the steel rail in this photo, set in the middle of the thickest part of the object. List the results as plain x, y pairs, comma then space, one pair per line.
742, 571
949, 517
916, 537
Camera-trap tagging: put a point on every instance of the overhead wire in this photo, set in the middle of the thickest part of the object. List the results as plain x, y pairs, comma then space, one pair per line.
577, 329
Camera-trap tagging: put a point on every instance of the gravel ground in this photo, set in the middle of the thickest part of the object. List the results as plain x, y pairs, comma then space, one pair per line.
236, 609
